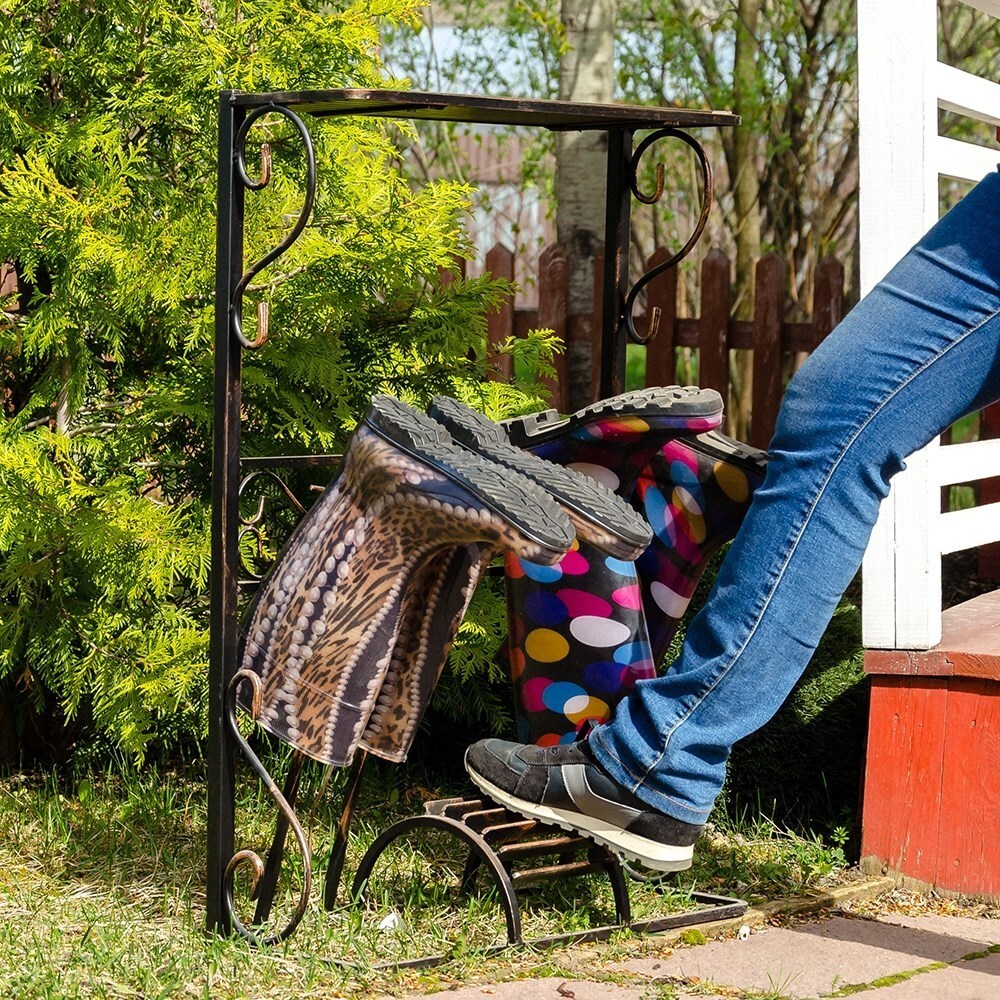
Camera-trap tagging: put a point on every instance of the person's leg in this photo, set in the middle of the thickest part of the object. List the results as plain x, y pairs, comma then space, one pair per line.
918, 352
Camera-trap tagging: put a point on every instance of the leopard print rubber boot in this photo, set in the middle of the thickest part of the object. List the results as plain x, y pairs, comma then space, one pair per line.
436, 605
323, 625
434, 608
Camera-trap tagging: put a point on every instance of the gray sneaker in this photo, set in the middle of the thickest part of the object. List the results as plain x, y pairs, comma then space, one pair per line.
564, 785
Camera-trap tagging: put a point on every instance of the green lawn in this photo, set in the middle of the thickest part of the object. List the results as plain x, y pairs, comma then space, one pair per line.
101, 893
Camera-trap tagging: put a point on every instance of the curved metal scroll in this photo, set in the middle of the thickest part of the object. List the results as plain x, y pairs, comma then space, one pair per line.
650, 199
236, 306
479, 846
251, 857
251, 525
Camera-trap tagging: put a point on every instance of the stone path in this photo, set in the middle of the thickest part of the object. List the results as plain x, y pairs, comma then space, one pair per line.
891, 957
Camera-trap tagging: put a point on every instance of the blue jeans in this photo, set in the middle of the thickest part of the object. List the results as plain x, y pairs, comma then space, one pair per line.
920, 351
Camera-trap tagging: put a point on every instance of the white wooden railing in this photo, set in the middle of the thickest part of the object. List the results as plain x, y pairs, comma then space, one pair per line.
902, 85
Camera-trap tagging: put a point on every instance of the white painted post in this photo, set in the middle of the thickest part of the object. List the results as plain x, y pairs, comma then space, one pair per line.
902, 86
897, 56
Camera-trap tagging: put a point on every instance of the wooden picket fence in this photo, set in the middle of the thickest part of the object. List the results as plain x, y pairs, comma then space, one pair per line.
713, 334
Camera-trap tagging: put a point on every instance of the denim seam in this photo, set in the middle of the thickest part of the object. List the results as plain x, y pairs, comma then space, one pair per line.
805, 523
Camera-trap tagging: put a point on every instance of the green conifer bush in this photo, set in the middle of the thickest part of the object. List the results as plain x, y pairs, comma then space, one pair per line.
107, 211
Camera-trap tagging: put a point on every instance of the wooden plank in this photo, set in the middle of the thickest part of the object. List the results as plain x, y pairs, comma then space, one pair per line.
828, 298
661, 295
967, 94
525, 320
739, 336
942, 661
969, 647
713, 344
553, 296
919, 532
988, 6
901, 812
768, 306
969, 461
575, 116
973, 627
989, 489
964, 160
446, 275
965, 529
8, 282
500, 324
968, 854
828, 308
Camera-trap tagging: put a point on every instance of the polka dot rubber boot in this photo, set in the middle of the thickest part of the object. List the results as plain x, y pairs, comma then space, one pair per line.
323, 626
579, 636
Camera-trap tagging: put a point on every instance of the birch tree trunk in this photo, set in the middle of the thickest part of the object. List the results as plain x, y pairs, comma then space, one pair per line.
586, 73
745, 171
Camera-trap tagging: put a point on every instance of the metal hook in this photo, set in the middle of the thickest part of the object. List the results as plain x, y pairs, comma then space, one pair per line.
265, 164
706, 207
657, 194
274, 477
236, 306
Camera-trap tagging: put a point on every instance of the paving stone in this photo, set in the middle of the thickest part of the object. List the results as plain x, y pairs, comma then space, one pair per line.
545, 989
811, 959
976, 980
982, 929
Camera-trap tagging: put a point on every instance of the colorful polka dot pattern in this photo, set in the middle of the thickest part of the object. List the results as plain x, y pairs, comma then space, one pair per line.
573, 650
695, 500
579, 639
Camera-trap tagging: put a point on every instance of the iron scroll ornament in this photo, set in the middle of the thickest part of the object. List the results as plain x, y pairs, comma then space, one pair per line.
647, 199
236, 306
251, 858
251, 525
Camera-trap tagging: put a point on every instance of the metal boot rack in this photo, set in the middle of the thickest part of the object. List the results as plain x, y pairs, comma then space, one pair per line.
498, 841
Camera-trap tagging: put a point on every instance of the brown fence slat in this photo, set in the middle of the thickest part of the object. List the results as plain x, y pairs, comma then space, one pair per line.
446, 275
525, 320
500, 324
768, 307
713, 340
553, 297
828, 297
661, 294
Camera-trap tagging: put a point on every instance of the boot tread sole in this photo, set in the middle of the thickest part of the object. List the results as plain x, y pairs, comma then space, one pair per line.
515, 498
585, 496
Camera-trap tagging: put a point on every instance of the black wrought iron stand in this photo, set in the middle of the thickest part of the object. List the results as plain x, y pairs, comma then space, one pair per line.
496, 839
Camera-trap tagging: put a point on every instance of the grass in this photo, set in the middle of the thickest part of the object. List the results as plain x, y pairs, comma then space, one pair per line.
101, 893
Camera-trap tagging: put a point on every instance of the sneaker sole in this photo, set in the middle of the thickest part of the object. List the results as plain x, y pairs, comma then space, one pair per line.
585, 497
516, 499
662, 857
670, 406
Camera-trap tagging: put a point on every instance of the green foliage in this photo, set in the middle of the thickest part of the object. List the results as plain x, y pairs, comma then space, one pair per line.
108, 153
97, 584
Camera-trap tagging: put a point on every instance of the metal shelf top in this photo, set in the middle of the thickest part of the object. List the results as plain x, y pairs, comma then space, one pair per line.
475, 108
